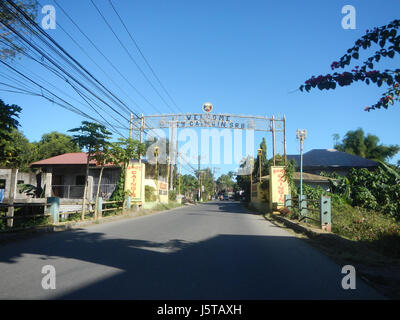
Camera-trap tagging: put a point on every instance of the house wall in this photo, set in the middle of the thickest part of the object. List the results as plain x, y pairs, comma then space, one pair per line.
68, 181
23, 177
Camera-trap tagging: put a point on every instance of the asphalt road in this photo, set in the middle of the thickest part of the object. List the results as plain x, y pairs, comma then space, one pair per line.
215, 250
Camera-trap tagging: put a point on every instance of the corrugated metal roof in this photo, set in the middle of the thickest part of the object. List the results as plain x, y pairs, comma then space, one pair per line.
76, 158
332, 158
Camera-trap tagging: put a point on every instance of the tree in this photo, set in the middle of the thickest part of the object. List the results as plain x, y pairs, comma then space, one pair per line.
22, 151
207, 181
264, 162
8, 122
92, 136
9, 47
102, 156
386, 37
53, 144
356, 143
225, 181
121, 153
189, 184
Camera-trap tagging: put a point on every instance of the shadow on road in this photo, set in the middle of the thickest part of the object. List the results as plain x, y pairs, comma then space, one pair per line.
222, 267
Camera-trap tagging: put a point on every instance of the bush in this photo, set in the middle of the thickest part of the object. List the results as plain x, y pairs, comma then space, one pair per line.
149, 195
172, 195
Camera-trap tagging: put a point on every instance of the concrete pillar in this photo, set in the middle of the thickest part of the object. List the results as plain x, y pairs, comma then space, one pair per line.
46, 183
89, 193
99, 207
54, 208
288, 201
128, 203
325, 213
11, 197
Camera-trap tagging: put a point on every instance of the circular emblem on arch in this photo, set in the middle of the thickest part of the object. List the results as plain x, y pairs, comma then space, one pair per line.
207, 107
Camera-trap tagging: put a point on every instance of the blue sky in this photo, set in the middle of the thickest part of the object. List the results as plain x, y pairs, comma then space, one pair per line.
246, 57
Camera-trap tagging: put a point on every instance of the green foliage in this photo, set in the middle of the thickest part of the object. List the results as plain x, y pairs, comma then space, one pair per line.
21, 151
207, 180
53, 144
8, 124
172, 195
124, 150
225, 181
290, 168
90, 136
264, 162
119, 194
378, 190
189, 184
149, 194
388, 40
11, 47
356, 143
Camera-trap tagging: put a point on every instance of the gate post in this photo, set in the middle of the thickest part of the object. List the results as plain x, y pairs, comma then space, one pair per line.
325, 213
303, 207
288, 201
54, 208
128, 202
99, 207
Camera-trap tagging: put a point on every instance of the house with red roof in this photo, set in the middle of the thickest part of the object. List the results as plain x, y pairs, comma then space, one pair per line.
67, 175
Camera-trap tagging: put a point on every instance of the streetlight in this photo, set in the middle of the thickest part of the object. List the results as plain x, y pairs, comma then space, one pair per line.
259, 152
301, 134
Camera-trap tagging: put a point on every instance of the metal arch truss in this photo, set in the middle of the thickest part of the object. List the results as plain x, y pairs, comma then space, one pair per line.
211, 120
203, 120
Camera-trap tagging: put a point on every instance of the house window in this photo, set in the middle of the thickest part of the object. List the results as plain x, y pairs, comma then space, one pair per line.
80, 180
2, 183
20, 182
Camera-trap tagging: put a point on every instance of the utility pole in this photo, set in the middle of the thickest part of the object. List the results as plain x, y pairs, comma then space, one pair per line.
141, 134
168, 159
171, 148
273, 139
131, 126
301, 135
199, 194
259, 162
179, 175
156, 172
284, 139
251, 176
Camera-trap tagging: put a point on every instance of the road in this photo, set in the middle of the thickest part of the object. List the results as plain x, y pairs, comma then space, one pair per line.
215, 250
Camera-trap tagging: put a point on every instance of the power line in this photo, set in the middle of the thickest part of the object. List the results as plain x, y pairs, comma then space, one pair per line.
105, 57
86, 73
130, 56
144, 58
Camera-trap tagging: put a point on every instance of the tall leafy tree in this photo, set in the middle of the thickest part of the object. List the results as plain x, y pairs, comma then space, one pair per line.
225, 181
366, 146
22, 151
264, 162
121, 153
9, 115
9, 47
189, 184
91, 137
387, 38
207, 181
53, 144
